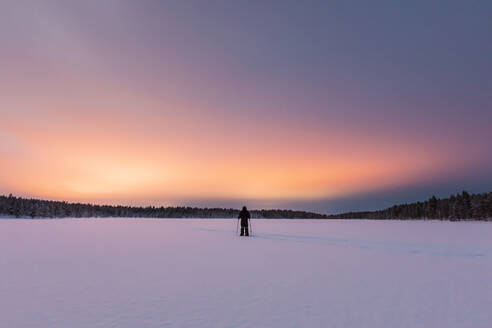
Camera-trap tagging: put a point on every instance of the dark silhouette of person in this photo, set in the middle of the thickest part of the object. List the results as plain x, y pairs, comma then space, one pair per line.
244, 216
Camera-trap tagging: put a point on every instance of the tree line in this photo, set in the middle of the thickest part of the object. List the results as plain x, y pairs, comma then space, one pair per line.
458, 207
36, 208
462, 206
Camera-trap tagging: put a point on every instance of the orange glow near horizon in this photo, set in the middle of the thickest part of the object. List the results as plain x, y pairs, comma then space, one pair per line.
80, 137
169, 103
117, 159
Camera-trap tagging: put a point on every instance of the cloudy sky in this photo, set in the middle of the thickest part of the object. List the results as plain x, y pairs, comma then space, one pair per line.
317, 105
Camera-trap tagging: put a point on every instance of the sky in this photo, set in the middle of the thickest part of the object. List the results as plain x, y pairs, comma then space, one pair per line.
327, 106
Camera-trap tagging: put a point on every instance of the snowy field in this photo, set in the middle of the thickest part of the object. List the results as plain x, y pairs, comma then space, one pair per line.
291, 273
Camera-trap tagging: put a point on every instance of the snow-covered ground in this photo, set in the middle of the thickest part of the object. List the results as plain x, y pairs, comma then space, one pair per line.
197, 273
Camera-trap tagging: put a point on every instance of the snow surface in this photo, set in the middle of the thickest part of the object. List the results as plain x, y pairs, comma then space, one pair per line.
292, 273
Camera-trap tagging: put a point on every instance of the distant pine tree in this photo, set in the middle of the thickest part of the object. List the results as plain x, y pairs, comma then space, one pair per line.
432, 207
466, 206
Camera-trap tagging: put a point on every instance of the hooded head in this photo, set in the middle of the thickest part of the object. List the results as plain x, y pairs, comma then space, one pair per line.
244, 209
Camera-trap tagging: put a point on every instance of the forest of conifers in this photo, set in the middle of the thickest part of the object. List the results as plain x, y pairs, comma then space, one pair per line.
455, 208
35, 208
462, 206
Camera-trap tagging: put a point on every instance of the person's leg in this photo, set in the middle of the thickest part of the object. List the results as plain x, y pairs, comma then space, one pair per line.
247, 230
242, 230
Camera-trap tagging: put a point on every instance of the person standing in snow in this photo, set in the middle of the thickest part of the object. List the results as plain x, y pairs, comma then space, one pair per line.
244, 216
